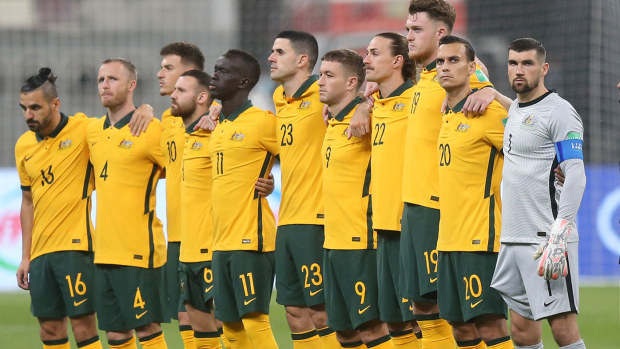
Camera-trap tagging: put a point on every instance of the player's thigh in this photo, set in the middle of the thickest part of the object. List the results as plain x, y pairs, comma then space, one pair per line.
356, 271
464, 290
394, 307
335, 305
135, 297
172, 278
551, 297
197, 285
423, 224
45, 294
508, 280
299, 260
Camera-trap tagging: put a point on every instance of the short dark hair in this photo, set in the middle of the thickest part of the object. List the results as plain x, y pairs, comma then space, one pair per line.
470, 53
437, 10
45, 80
400, 47
190, 54
252, 67
352, 61
203, 78
303, 43
133, 72
527, 44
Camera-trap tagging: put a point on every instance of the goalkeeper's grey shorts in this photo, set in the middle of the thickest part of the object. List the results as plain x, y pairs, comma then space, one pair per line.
529, 295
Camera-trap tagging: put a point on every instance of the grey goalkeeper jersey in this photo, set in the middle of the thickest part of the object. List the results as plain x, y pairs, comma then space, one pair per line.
530, 193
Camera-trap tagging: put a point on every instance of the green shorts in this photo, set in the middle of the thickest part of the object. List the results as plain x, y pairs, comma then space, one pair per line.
61, 284
129, 297
299, 262
351, 294
394, 307
418, 247
196, 281
175, 305
464, 291
243, 283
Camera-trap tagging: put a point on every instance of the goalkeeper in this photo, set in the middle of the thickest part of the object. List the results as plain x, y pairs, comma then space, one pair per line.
537, 268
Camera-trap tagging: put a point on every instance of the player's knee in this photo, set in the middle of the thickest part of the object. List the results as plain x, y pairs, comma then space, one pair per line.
372, 330
348, 336
298, 319
319, 316
398, 326
51, 329
464, 331
84, 327
148, 329
491, 327
523, 335
425, 308
565, 332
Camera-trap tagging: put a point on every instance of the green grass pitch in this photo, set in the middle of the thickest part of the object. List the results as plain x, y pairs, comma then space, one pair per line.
599, 322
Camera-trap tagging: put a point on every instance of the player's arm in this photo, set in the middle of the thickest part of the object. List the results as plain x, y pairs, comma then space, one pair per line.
265, 186
26, 218
140, 120
360, 121
209, 122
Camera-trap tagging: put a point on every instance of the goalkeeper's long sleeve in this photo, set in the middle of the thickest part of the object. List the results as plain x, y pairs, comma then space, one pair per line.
572, 191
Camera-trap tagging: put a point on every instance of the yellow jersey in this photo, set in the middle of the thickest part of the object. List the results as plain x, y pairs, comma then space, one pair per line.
389, 122
243, 146
172, 139
346, 186
300, 130
421, 184
470, 165
56, 169
196, 217
126, 170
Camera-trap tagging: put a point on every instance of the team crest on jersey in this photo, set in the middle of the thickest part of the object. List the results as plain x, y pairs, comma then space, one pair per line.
64, 144
398, 106
196, 146
237, 137
304, 105
125, 144
528, 122
462, 127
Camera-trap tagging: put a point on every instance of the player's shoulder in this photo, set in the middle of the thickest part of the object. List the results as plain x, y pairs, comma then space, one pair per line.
26, 139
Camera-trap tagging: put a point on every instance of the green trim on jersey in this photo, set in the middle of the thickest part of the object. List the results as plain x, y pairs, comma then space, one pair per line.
399, 91
345, 111
64, 119
238, 111
311, 80
190, 128
431, 66
121, 123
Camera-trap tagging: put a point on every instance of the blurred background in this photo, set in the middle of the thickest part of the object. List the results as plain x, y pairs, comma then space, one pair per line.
72, 37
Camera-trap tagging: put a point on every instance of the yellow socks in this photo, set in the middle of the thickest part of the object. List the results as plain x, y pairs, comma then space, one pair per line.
353, 345
225, 341
306, 340
258, 328
328, 338
472, 344
93, 343
237, 337
405, 339
436, 332
501, 343
380, 343
154, 341
129, 343
57, 344
207, 340
187, 336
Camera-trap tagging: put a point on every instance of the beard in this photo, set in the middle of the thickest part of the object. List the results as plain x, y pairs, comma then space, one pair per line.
525, 87
182, 111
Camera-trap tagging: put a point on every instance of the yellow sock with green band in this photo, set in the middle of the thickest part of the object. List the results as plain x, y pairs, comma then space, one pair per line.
207, 340
154, 341
57, 344
436, 332
405, 339
129, 343
187, 336
258, 328
93, 343
306, 340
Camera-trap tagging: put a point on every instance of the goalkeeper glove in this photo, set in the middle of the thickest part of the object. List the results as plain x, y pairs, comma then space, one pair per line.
553, 263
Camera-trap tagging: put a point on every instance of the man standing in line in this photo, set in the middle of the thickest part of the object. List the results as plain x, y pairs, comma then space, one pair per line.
542, 131
130, 248
242, 146
470, 165
299, 242
388, 64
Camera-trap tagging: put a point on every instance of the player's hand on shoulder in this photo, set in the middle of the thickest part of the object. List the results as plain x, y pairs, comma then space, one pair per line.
552, 253
360, 121
140, 120
209, 122
477, 102
22, 274
265, 186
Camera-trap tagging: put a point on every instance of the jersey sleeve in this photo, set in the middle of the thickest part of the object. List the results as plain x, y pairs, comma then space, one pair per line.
479, 80
153, 143
566, 132
24, 179
267, 133
494, 128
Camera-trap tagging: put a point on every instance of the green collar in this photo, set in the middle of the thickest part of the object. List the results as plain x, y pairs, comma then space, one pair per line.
399, 91
238, 111
63, 122
431, 66
122, 122
346, 110
190, 128
311, 80
458, 107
